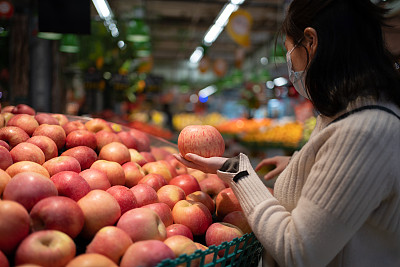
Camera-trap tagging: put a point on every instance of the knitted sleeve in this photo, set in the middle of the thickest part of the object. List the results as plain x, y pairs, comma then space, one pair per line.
346, 184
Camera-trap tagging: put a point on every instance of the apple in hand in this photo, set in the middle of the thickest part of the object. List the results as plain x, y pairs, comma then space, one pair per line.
125, 197
114, 171
62, 163
61, 118
44, 118
187, 182
26, 122
73, 126
146, 253
85, 155
54, 132
144, 194
220, 232
4, 179
14, 225
238, 219
91, 260
203, 140
104, 243
163, 211
100, 209
170, 195
96, 179
57, 213
13, 135
47, 248
204, 198
226, 202
70, 184
142, 224
28, 188
23, 109
133, 173
26, 151
179, 229
47, 145
5, 158
154, 180
194, 215
115, 151
27, 166
81, 138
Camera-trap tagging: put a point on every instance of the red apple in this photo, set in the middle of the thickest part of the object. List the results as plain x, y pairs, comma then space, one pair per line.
187, 182
158, 167
96, 179
159, 153
7, 116
100, 209
154, 180
7, 109
27, 166
26, 122
147, 156
70, 184
220, 232
104, 243
91, 260
178, 166
5, 158
114, 171
57, 213
81, 138
47, 145
125, 197
203, 140
144, 194
47, 248
163, 211
85, 155
179, 229
23, 109
95, 125
180, 244
115, 151
105, 137
4, 144
226, 202
238, 219
170, 195
61, 118
171, 168
199, 175
142, 224
54, 132
4, 179
73, 126
212, 185
146, 253
133, 173
62, 163
204, 198
194, 215
26, 151
127, 139
208, 258
3, 260
14, 225
13, 135
2, 120
143, 140
45, 118
28, 188
137, 157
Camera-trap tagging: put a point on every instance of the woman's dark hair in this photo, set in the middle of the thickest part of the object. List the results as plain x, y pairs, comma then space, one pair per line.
351, 58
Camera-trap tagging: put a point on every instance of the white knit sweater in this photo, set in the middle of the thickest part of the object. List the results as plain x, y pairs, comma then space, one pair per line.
337, 203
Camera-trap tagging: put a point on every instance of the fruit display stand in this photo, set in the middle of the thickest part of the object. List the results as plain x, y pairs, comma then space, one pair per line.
243, 250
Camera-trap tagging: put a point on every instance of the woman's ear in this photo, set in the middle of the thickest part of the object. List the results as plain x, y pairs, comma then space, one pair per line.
311, 40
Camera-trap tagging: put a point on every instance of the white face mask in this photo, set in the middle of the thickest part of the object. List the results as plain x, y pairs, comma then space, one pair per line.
296, 77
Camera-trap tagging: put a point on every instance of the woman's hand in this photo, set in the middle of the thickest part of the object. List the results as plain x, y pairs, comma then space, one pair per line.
207, 165
279, 161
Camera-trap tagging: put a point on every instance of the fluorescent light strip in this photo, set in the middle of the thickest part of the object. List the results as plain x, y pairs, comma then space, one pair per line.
197, 55
105, 13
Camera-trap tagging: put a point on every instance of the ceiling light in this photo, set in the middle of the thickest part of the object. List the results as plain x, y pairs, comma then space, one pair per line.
206, 92
102, 8
226, 12
212, 34
197, 55
237, 2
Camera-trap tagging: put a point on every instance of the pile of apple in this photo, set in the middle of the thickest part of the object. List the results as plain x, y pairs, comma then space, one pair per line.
92, 193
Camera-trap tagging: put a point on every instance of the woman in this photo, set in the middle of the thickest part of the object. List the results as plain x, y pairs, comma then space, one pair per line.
337, 202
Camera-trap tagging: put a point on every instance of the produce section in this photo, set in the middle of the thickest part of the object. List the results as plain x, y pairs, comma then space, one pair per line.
81, 183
